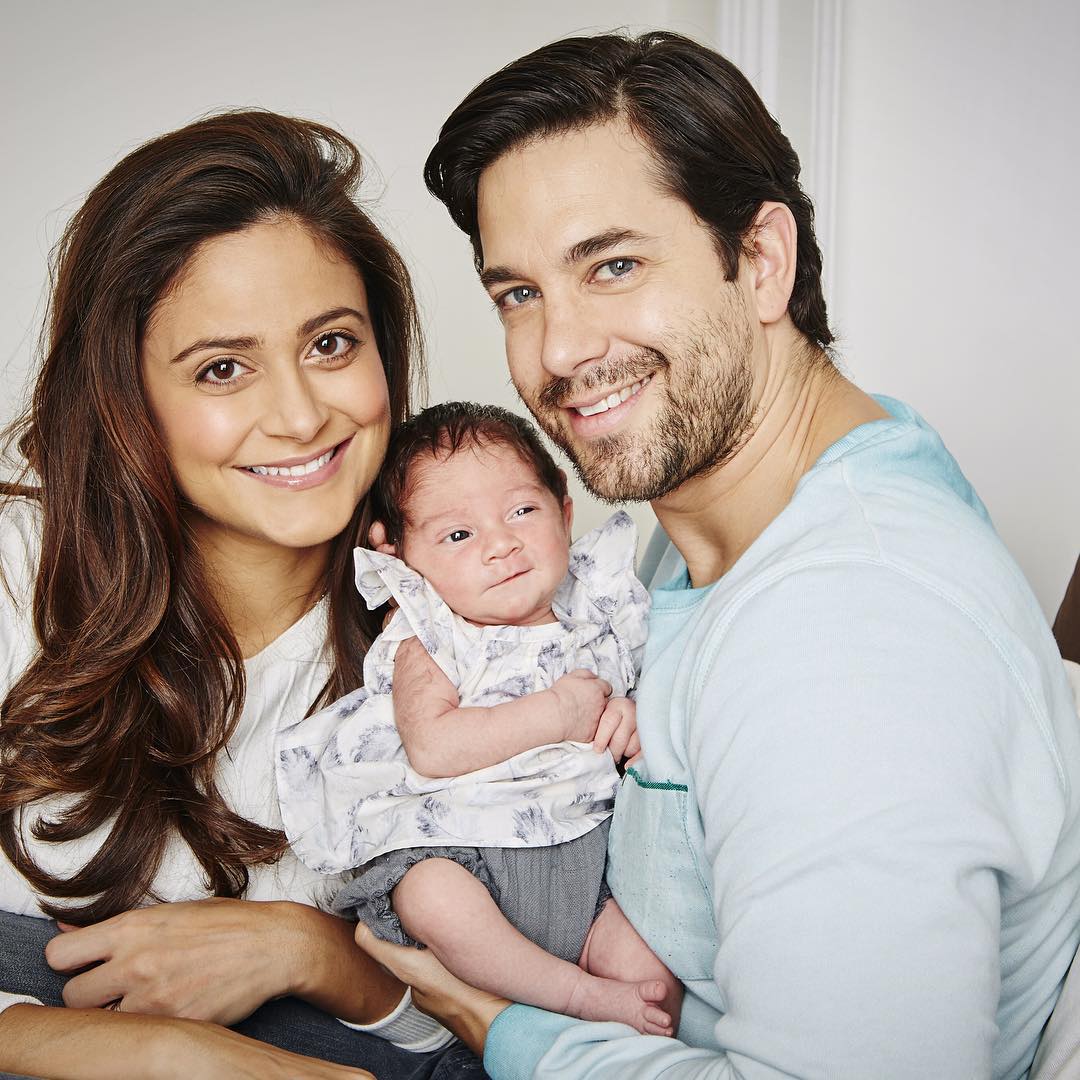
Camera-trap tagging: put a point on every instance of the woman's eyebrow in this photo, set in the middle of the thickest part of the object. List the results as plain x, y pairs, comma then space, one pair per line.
312, 325
216, 343
249, 342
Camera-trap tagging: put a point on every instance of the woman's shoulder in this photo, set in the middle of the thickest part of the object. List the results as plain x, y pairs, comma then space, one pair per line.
20, 545
20, 548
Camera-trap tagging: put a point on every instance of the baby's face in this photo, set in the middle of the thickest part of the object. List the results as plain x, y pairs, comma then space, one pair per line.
488, 535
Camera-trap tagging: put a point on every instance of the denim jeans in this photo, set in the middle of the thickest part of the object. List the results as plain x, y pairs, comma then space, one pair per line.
289, 1023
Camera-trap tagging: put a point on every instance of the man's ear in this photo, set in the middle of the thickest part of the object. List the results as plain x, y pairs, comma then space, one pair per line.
773, 238
377, 539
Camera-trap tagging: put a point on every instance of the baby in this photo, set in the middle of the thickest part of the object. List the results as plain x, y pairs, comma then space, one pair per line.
464, 778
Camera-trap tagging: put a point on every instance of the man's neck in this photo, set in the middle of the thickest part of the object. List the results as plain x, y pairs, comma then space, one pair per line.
805, 407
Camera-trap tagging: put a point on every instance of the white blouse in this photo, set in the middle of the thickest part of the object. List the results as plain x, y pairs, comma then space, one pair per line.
282, 682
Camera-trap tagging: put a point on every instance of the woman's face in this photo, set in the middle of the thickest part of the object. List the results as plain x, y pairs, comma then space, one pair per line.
262, 372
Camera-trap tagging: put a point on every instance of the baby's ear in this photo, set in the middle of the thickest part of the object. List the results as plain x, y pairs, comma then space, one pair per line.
567, 509
377, 539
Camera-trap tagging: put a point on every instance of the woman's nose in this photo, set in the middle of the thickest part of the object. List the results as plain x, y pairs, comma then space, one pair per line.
293, 409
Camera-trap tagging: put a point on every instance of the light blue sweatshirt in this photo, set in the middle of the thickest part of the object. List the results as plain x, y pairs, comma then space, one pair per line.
856, 835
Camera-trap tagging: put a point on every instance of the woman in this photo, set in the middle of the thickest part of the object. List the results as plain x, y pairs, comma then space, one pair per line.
230, 341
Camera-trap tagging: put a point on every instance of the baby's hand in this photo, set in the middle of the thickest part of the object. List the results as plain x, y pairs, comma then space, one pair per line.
582, 697
617, 730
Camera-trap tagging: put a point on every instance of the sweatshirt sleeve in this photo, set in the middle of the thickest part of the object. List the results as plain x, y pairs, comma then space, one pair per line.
869, 776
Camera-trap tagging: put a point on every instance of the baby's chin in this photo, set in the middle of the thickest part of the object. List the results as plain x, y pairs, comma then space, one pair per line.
511, 616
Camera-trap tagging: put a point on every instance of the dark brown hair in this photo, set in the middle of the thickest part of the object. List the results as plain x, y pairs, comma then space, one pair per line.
139, 681
442, 430
715, 144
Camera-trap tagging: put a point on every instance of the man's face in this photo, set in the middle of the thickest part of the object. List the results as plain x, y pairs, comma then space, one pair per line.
623, 337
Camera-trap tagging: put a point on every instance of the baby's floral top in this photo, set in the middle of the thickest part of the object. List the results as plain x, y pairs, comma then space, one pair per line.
346, 788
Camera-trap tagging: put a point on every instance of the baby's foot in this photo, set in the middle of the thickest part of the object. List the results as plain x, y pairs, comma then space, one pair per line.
636, 1004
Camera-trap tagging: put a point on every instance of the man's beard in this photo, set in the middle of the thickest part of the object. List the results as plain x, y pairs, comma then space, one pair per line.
704, 414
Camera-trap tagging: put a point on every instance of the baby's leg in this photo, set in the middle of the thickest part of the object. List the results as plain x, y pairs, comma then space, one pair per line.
615, 950
442, 905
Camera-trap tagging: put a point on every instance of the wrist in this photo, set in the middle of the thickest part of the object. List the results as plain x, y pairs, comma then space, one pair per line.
469, 1018
293, 928
558, 728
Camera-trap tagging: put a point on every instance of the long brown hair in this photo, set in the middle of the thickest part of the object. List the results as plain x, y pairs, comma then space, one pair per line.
139, 681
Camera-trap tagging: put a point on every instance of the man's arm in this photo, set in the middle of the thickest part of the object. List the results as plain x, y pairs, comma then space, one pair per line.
855, 767
443, 739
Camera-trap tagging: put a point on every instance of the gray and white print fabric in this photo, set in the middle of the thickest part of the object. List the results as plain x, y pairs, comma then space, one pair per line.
346, 788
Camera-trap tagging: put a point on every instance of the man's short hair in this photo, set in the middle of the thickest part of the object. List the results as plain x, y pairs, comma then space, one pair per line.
442, 430
717, 147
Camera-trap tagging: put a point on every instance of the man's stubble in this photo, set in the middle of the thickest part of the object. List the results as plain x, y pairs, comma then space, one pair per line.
705, 411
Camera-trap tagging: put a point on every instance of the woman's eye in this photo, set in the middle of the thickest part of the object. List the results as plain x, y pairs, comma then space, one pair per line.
458, 535
221, 372
516, 297
615, 268
335, 343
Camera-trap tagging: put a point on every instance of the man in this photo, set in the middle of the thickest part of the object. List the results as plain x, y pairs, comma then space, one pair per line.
855, 835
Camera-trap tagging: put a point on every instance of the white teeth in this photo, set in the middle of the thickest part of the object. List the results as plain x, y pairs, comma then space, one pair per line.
292, 470
613, 399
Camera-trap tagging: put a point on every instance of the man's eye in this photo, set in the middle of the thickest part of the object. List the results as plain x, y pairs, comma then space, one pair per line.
516, 297
615, 268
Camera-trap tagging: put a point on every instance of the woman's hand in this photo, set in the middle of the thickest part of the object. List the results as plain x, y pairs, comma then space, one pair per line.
215, 960
95, 1045
466, 1011
219, 960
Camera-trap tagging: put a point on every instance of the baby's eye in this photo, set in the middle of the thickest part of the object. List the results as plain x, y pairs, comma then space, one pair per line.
521, 511
458, 535
615, 268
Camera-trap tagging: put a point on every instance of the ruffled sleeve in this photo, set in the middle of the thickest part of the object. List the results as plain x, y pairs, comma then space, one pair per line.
601, 587
421, 612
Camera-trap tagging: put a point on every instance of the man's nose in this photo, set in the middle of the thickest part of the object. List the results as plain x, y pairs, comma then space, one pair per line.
293, 408
574, 334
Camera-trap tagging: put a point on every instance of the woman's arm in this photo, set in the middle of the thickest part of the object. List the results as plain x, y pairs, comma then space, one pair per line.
219, 960
442, 739
93, 1044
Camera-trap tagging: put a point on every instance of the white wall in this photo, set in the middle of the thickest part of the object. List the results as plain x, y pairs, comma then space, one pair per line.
949, 181
957, 246
83, 84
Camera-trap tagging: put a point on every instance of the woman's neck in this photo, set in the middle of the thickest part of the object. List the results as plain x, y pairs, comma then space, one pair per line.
261, 588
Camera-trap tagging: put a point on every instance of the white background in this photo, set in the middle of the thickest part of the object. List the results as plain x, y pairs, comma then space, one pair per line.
939, 139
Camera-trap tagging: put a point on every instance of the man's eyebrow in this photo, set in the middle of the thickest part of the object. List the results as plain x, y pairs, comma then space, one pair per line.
248, 342
592, 246
588, 248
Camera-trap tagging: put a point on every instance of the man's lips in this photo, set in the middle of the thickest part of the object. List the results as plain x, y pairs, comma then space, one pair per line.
597, 404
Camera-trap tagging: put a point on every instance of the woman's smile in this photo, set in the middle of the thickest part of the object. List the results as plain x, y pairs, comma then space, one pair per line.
264, 376
298, 473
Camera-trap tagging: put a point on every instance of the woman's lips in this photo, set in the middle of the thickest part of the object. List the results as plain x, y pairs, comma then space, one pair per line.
309, 474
